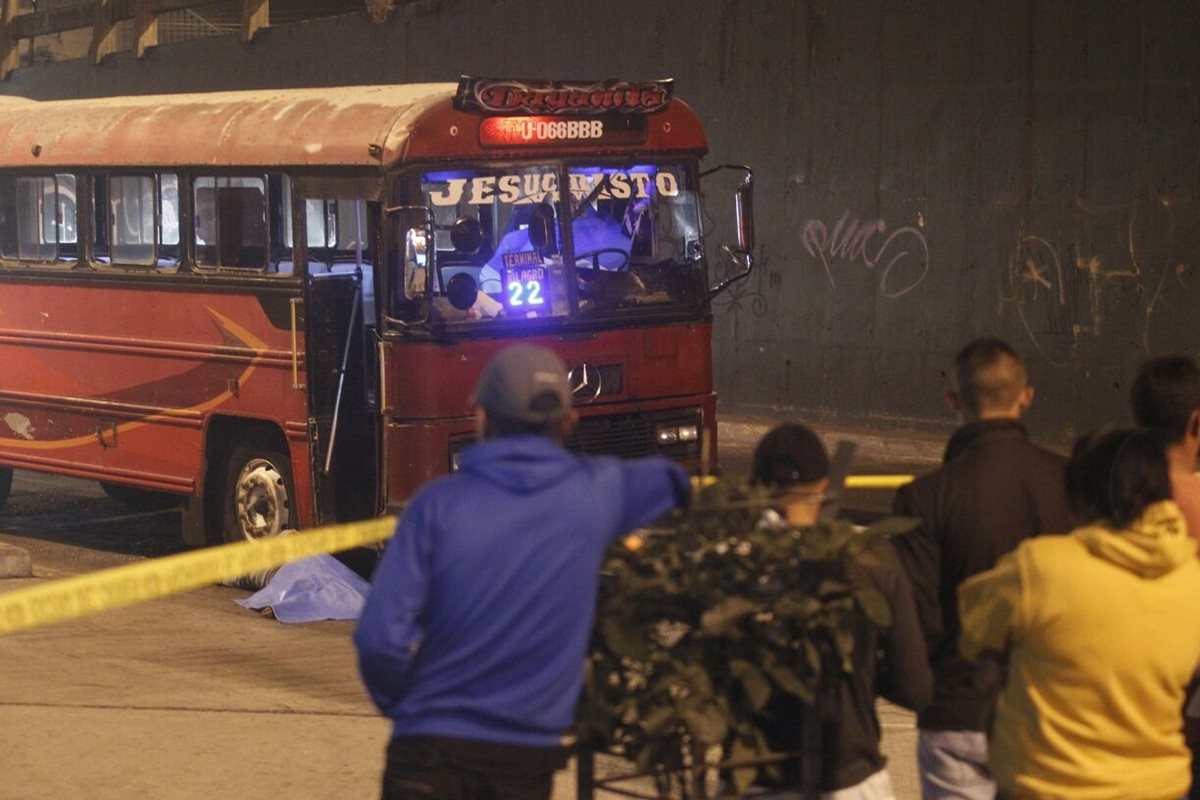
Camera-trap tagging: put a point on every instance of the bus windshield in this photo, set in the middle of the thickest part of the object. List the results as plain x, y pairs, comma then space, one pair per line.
629, 239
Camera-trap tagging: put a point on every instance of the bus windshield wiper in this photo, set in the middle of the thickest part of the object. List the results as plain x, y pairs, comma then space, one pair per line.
605, 183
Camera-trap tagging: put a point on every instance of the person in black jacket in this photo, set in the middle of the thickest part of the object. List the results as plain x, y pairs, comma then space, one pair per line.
994, 489
892, 661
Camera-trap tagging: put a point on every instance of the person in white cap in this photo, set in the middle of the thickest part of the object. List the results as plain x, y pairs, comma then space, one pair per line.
474, 634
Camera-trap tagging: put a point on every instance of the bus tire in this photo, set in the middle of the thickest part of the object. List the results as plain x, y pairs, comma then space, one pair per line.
5, 485
139, 499
257, 494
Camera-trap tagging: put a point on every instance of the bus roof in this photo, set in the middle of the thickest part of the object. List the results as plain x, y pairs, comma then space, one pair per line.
366, 126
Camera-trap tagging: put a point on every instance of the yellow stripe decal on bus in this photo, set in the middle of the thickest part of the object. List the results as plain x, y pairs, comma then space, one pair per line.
227, 326
69, 598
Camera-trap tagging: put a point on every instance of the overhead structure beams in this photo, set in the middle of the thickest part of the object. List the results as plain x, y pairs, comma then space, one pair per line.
102, 16
10, 55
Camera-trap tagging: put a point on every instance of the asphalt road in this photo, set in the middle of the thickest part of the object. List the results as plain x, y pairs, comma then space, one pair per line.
46, 512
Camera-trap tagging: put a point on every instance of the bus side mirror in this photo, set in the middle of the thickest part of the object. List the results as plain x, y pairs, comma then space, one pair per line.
416, 262
743, 209
413, 249
742, 259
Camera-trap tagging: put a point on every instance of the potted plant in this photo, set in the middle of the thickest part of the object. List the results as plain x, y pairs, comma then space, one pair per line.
700, 624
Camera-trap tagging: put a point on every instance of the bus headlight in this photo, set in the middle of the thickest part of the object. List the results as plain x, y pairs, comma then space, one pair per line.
671, 434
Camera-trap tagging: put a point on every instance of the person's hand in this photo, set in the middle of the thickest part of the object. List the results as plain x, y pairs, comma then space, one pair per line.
486, 307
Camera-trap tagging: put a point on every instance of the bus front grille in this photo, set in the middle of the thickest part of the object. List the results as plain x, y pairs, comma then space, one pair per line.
638, 434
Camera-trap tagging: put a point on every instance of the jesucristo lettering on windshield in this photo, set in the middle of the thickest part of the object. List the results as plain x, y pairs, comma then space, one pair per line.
522, 188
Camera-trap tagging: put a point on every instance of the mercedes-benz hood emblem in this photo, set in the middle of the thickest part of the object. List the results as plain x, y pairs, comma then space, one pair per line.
585, 382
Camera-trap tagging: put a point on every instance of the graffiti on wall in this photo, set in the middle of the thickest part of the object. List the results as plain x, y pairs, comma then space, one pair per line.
744, 295
1119, 267
901, 257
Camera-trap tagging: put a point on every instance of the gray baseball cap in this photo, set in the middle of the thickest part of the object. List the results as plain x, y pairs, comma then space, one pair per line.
524, 383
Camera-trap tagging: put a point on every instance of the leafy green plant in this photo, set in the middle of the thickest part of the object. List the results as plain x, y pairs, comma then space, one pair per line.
700, 625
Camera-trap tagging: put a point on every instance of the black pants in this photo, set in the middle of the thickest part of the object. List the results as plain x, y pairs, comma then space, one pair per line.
435, 768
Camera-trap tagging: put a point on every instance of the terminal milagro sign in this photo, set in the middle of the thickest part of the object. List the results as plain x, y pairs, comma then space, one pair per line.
536, 113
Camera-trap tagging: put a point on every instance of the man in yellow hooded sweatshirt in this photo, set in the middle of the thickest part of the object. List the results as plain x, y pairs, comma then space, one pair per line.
1100, 634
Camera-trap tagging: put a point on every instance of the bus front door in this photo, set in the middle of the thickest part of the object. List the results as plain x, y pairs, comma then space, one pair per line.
342, 417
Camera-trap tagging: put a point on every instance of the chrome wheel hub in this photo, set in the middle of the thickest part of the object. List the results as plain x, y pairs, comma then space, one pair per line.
261, 500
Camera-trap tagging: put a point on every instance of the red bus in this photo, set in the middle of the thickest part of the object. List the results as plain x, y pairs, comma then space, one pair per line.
271, 306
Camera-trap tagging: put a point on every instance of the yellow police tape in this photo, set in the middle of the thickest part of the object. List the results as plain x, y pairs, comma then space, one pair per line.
852, 481
136, 583
877, 481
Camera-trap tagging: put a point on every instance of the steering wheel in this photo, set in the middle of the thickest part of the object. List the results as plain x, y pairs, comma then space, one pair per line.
594, 255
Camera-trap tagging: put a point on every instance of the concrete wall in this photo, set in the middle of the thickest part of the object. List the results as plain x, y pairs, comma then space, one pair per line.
926, 171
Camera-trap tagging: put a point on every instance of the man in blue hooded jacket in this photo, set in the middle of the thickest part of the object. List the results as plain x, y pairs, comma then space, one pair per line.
474, 634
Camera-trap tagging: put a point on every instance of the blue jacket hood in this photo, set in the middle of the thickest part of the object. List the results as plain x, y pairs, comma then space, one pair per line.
521, 464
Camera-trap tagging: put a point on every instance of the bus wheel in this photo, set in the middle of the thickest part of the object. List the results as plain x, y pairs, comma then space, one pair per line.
258, 492
5, 484
139, 499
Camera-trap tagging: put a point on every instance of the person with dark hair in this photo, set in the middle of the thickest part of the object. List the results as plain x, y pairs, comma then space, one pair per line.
474, 633
793, 462
994, 489
1100, 634
1166, 395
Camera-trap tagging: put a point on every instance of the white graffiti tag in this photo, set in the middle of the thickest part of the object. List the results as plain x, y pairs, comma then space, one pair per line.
903, 254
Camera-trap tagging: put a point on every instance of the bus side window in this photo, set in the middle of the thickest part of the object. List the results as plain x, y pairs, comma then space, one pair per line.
131, 217
339, 241
337, 230
231, 222
138, 220
37, 218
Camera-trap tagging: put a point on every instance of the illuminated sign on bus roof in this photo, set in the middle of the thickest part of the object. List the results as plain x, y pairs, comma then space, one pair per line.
498, 96
533, 131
